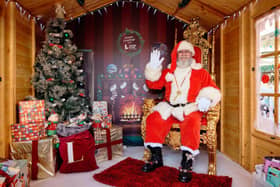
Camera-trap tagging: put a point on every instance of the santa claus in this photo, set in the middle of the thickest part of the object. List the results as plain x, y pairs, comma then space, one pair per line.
189, 91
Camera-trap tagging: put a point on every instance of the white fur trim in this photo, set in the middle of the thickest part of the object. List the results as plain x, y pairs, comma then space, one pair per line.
178, 113
184, 45
193, 152
182, 76
169, 77
211, 93
152, 144
195, 65
151, 73
189, 108
164, 110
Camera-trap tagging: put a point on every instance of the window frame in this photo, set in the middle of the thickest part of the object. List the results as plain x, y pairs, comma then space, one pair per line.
258, 57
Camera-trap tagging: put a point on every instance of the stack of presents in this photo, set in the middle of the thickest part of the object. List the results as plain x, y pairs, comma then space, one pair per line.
40, 147
268, 173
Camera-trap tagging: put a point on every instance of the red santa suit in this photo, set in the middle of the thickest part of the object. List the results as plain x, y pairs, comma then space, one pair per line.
183, 88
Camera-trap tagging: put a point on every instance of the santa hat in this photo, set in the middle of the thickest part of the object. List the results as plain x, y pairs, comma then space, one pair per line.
184, 45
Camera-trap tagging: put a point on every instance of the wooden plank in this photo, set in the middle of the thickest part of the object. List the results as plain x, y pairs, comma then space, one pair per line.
264, 148
263, 7
246, 158
3, 141
222, 75
209, 8
9, 73
33, 52
231, 127
23, 49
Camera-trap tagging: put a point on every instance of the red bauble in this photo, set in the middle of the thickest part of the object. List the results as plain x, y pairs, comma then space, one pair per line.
265, 78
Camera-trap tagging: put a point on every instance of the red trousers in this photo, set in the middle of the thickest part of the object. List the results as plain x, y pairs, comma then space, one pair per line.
158, 128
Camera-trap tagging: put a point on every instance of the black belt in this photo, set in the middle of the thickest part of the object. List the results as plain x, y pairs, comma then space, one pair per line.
178, 105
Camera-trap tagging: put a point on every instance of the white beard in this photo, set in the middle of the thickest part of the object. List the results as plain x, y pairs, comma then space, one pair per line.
184, 64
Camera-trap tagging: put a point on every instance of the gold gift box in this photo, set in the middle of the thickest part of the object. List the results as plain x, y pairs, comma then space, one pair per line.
116, 135
46, 156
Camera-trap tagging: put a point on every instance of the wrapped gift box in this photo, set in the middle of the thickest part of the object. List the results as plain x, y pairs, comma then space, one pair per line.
103, 122
2, 181
26, 132
270, 161
273, 176
107, 121
108, 143
51, 129
100, 107
31, 111
16, 173
41, 156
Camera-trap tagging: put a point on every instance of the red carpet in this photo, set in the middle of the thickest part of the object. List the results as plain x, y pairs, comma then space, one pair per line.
128, 173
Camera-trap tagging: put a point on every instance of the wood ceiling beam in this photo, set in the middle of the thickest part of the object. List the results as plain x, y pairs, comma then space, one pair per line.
211, 9
73, 14
203, 6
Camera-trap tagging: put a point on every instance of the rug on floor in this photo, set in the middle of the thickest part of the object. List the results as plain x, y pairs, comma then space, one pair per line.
128, 173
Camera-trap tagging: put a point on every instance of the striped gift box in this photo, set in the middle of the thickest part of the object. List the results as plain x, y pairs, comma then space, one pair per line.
31, 111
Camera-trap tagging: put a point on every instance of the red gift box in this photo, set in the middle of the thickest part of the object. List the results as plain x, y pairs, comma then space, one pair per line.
26, 132
31, 111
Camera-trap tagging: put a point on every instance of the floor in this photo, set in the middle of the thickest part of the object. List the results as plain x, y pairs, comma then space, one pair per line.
225, 167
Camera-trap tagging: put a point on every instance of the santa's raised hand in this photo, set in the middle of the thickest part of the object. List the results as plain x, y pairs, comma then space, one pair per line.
155, 60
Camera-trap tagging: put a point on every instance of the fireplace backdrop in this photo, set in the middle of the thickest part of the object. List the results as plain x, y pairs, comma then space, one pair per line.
118, 68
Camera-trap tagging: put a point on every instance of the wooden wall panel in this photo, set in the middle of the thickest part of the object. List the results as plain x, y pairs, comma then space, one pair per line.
25, 52
17, 47
230, 118
245, 75
9, 75
3, 141
264, 148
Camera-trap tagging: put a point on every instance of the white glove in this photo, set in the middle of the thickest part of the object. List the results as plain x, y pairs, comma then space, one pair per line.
203, 104
155, 62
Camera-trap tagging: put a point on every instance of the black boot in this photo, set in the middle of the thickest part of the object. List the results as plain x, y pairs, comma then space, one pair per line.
155, 160
185, 174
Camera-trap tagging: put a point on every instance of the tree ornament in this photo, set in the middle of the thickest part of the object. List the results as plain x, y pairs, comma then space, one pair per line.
265, 78
66, 35
51, 99
82, 94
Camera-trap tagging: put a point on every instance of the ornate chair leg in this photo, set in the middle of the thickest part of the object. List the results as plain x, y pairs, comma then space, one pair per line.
147, 155
212, 119
212, 159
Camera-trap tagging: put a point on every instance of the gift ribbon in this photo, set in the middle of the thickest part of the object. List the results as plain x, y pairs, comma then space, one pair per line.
34, 167
108, 143
9, 180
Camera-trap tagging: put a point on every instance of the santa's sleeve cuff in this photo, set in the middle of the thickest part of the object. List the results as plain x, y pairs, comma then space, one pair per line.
152, 73
211, 93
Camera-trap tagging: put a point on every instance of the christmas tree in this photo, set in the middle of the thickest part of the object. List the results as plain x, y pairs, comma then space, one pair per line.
59, 77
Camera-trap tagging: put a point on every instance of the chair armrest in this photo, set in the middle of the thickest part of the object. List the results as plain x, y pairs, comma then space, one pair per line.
213, 116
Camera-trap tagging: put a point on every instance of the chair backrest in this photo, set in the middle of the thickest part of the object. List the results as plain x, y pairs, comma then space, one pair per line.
194, 34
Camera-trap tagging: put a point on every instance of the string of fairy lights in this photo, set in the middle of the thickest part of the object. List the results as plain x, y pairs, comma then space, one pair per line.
138, 4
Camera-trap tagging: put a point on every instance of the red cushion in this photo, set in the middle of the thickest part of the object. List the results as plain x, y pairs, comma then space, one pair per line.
83, 149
